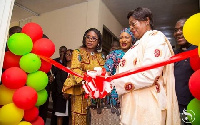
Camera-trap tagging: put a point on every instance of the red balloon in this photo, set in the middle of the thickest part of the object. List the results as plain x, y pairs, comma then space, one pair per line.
44, 47
38, 121
45, 66
25, 97
14, 78
31, 114
33, 30
10, 60
195, 62
194, 84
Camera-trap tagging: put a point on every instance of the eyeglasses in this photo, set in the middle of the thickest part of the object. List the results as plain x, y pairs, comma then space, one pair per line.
133, 23
91, 38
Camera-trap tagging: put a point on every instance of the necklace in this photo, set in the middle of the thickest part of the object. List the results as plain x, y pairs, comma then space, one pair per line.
92, 53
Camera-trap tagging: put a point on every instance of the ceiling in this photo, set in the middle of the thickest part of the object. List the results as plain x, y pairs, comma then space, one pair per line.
26, 8
165, 12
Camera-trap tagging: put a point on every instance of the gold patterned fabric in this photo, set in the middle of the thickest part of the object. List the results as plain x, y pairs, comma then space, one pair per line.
81, 62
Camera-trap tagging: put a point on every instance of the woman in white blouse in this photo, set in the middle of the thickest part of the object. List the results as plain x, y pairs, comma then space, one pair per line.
141, 103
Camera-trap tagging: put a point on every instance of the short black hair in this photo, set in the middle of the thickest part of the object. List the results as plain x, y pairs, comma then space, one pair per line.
15, 29
71, 50
99, 38
141, 14
182, 19
63, 47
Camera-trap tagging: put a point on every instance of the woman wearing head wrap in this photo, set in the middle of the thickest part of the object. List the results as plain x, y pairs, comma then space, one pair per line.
126, 41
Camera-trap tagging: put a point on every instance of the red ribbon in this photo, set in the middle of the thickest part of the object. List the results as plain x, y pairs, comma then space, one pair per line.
58, 65
172, 59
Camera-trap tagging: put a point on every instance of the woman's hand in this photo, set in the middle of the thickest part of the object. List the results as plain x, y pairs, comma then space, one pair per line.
108, 73
51, 78
66, 96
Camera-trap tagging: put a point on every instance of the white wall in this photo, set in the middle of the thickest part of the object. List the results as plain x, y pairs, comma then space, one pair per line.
92, 14
66, 26
106, 18
14, 24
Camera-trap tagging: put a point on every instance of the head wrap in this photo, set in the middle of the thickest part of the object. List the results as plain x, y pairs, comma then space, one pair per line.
127, 30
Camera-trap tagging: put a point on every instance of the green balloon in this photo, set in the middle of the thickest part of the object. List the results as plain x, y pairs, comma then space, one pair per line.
193, 108
30, 63
37, 80
20, 44
42, 97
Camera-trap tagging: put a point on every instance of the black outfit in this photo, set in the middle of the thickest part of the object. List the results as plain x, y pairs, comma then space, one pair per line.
60, 78
59, 103
182, 73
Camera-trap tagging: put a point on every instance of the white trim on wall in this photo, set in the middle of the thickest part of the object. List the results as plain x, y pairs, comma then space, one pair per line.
6, 7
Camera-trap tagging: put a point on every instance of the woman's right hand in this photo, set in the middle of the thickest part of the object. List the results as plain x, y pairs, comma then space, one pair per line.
108, 73
64, 88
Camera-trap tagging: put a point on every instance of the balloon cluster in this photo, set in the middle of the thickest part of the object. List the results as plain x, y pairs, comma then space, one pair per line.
25, 78
191, 31
96, 85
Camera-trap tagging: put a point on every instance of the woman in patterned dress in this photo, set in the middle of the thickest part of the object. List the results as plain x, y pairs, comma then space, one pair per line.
126, 40
83, 59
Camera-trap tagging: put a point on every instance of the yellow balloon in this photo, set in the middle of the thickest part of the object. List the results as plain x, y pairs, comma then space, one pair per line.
10, 114
191, 29
6, 95
24, 123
